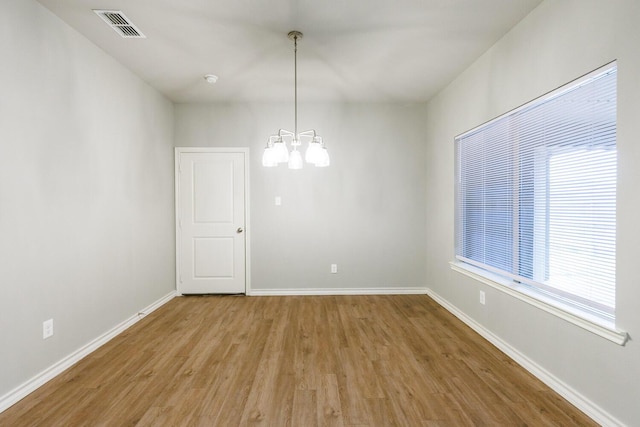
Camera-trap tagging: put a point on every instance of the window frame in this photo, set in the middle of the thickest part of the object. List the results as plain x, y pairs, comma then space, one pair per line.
515, 286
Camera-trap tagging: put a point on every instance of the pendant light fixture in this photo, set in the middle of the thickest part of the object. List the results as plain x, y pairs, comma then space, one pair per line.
276, 151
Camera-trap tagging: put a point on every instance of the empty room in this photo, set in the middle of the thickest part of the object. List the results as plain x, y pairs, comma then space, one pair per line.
345, 213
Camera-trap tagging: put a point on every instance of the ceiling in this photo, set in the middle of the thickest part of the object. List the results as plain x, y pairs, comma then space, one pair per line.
352, 50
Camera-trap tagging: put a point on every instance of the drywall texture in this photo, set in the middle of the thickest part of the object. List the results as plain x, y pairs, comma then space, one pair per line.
558, 42
86, 192
365, 212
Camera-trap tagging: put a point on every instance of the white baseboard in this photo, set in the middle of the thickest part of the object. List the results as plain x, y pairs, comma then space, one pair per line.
56, 369
598, 414
339, 291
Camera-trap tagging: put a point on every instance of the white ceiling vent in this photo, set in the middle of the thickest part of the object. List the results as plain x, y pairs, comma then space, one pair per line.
120, 23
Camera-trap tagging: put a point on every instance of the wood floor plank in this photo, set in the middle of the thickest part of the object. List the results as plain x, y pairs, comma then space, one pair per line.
305, 408
340, 361
329, 408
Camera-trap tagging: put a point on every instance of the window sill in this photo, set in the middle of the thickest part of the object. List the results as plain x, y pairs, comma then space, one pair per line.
596, 326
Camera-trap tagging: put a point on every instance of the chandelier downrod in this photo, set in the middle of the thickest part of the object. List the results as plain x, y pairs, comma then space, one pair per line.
295, 35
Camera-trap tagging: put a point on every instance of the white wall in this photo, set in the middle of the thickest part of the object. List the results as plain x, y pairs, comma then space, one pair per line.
365, 212
86, 192
556, 43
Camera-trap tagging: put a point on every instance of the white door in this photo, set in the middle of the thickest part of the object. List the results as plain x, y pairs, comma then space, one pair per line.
210, 216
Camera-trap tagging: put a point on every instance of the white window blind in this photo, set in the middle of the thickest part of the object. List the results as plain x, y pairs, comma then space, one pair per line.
536, 195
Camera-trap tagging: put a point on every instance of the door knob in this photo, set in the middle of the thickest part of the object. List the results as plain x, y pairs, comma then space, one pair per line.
239, 230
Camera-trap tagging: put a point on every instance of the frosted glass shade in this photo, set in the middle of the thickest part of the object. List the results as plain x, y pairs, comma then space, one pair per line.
314, 152
268, 158
281, 154
324, 160
295, 160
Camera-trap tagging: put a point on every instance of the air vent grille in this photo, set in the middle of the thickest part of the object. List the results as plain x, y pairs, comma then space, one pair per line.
120, 23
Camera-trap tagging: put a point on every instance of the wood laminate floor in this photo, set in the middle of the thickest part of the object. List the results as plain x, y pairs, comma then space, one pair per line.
296, 361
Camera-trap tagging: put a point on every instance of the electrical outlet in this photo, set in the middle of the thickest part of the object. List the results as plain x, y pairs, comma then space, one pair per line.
47, 329
278, 201
482, 298
334, 268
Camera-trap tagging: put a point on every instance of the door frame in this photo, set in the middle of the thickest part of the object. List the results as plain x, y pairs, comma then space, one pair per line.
247, 229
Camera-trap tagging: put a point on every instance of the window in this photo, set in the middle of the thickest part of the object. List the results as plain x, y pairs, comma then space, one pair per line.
536, 197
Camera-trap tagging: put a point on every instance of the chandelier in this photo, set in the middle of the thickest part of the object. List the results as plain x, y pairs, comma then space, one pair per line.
276, 151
